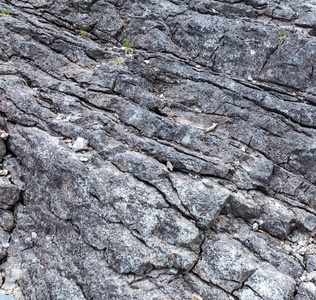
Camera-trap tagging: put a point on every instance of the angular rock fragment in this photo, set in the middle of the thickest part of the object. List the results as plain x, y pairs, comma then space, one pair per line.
80, 144
204, 199
270, 214
6, 220
9, 193
206, 290
262, 245
225, 263
306, 290
4, 172
310, 259
269, 283
4, 136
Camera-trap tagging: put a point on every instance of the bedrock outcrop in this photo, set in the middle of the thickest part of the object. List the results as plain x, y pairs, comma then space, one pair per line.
158, 149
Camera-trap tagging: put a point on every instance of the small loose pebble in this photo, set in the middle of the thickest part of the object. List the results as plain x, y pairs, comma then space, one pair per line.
4, 172
4, 136
169, 166
210, 129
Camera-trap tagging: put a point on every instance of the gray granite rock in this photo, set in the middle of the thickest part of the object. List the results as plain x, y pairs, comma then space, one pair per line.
9, 193
158, 149
268, 283
306, 290
225, 263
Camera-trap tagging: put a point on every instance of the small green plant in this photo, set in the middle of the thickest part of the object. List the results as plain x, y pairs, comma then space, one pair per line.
168, 98
83, 33
5, 12
117, 61
127, 45
282, 36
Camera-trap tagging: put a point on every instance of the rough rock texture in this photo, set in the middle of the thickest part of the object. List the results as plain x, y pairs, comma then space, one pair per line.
183, 168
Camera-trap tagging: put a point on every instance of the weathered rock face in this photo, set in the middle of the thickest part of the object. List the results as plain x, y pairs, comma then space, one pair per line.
184, 168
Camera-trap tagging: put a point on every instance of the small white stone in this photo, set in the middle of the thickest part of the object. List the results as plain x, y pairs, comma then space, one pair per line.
303, 279
288, 249
84, 159
4, 172
302, 251
74, 118
34, 235
169, 166
80, 144
161, 96
5, 245
255, 226
211, 128
173, 271
243, 149
4, 136
311, 276
146, 61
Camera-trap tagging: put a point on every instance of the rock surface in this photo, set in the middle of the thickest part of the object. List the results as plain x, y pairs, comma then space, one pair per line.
158, 149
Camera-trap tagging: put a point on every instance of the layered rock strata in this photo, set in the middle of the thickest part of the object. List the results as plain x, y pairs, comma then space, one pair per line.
158, 149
